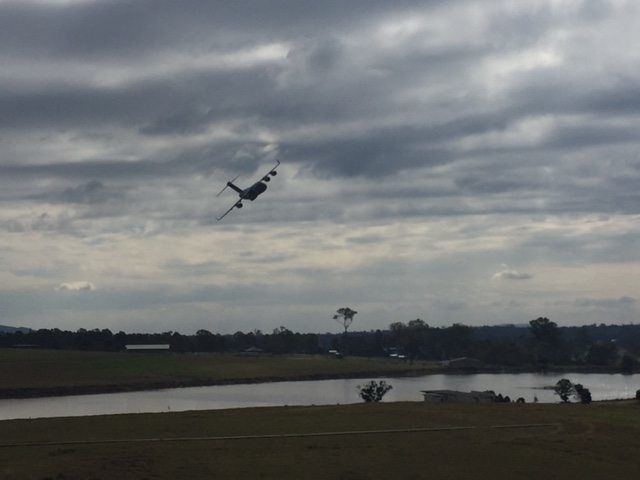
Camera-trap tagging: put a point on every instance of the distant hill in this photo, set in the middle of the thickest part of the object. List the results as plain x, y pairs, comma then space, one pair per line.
7, 329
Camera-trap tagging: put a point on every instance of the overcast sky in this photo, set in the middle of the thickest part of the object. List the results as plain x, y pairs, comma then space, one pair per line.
456, 161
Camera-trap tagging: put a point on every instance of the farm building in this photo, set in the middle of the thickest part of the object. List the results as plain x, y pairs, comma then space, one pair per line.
161, 347
452, 396
252, 351
462, 363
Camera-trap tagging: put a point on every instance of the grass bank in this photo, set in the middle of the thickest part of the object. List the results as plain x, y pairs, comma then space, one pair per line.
31, 373
597, 441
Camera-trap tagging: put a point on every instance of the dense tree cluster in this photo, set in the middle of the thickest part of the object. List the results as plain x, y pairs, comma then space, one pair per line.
540, 344
565, 389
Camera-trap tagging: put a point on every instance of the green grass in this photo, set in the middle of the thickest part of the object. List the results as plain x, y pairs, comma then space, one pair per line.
48, 369
598, 441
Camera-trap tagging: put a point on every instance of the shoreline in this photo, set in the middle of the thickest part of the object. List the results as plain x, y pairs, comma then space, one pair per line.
72, 390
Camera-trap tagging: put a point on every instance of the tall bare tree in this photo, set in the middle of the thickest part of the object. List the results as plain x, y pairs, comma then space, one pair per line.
344, 316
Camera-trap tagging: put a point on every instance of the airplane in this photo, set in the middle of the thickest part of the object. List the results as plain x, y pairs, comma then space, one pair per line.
250, 193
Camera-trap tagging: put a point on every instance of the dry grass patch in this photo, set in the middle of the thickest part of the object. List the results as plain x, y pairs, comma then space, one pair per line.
597, 441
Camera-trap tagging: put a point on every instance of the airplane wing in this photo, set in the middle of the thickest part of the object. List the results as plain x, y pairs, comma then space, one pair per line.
271, 172
239, 202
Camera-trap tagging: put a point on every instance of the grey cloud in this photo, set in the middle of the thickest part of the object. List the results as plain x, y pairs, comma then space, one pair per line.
45, 222
622, 99
192, 163
596, 9
159, 107
362, 240
510, 304
192, 269
78, 286
582, 249
91, 192
380, 115
377, 154
83, 170
181, 123
120, 27
450, 305
324, 55
265, 258
65, 223
81, 28
560, 90
13, 226
484, 184
607, 303
58, 106
588, 135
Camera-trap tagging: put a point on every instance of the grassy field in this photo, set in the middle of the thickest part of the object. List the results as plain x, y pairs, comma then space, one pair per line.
35, 372
597, 441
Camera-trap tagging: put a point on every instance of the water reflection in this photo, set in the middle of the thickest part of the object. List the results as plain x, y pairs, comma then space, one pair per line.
319, 392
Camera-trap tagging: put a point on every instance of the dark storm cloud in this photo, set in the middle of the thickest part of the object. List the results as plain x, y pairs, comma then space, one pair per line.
320, 84
58, 106
202, 160
378, 155
562, 90
127, 28
85, 27
573, 137
623, 99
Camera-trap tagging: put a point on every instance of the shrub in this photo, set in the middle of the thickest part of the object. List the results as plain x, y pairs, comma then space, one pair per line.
582, 394
638, 395
564, 388
374, 391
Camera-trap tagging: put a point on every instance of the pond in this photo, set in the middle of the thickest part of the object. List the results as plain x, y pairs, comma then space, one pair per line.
317, 392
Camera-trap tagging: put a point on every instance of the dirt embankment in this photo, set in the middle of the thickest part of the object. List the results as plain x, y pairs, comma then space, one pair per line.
88, 389
34, 392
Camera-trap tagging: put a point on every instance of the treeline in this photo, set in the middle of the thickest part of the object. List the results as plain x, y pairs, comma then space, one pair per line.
541, 343
281, 340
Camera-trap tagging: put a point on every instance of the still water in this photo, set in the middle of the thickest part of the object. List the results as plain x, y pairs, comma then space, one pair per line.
318, 392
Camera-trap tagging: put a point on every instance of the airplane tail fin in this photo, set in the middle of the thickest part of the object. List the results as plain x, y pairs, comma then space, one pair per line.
229, 184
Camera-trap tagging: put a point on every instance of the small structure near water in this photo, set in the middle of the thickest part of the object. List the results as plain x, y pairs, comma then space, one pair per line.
161, 347
453, 396
252, 352
461, 363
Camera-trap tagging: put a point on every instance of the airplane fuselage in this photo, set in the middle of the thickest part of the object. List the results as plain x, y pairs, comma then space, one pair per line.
253, 191
250, 193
